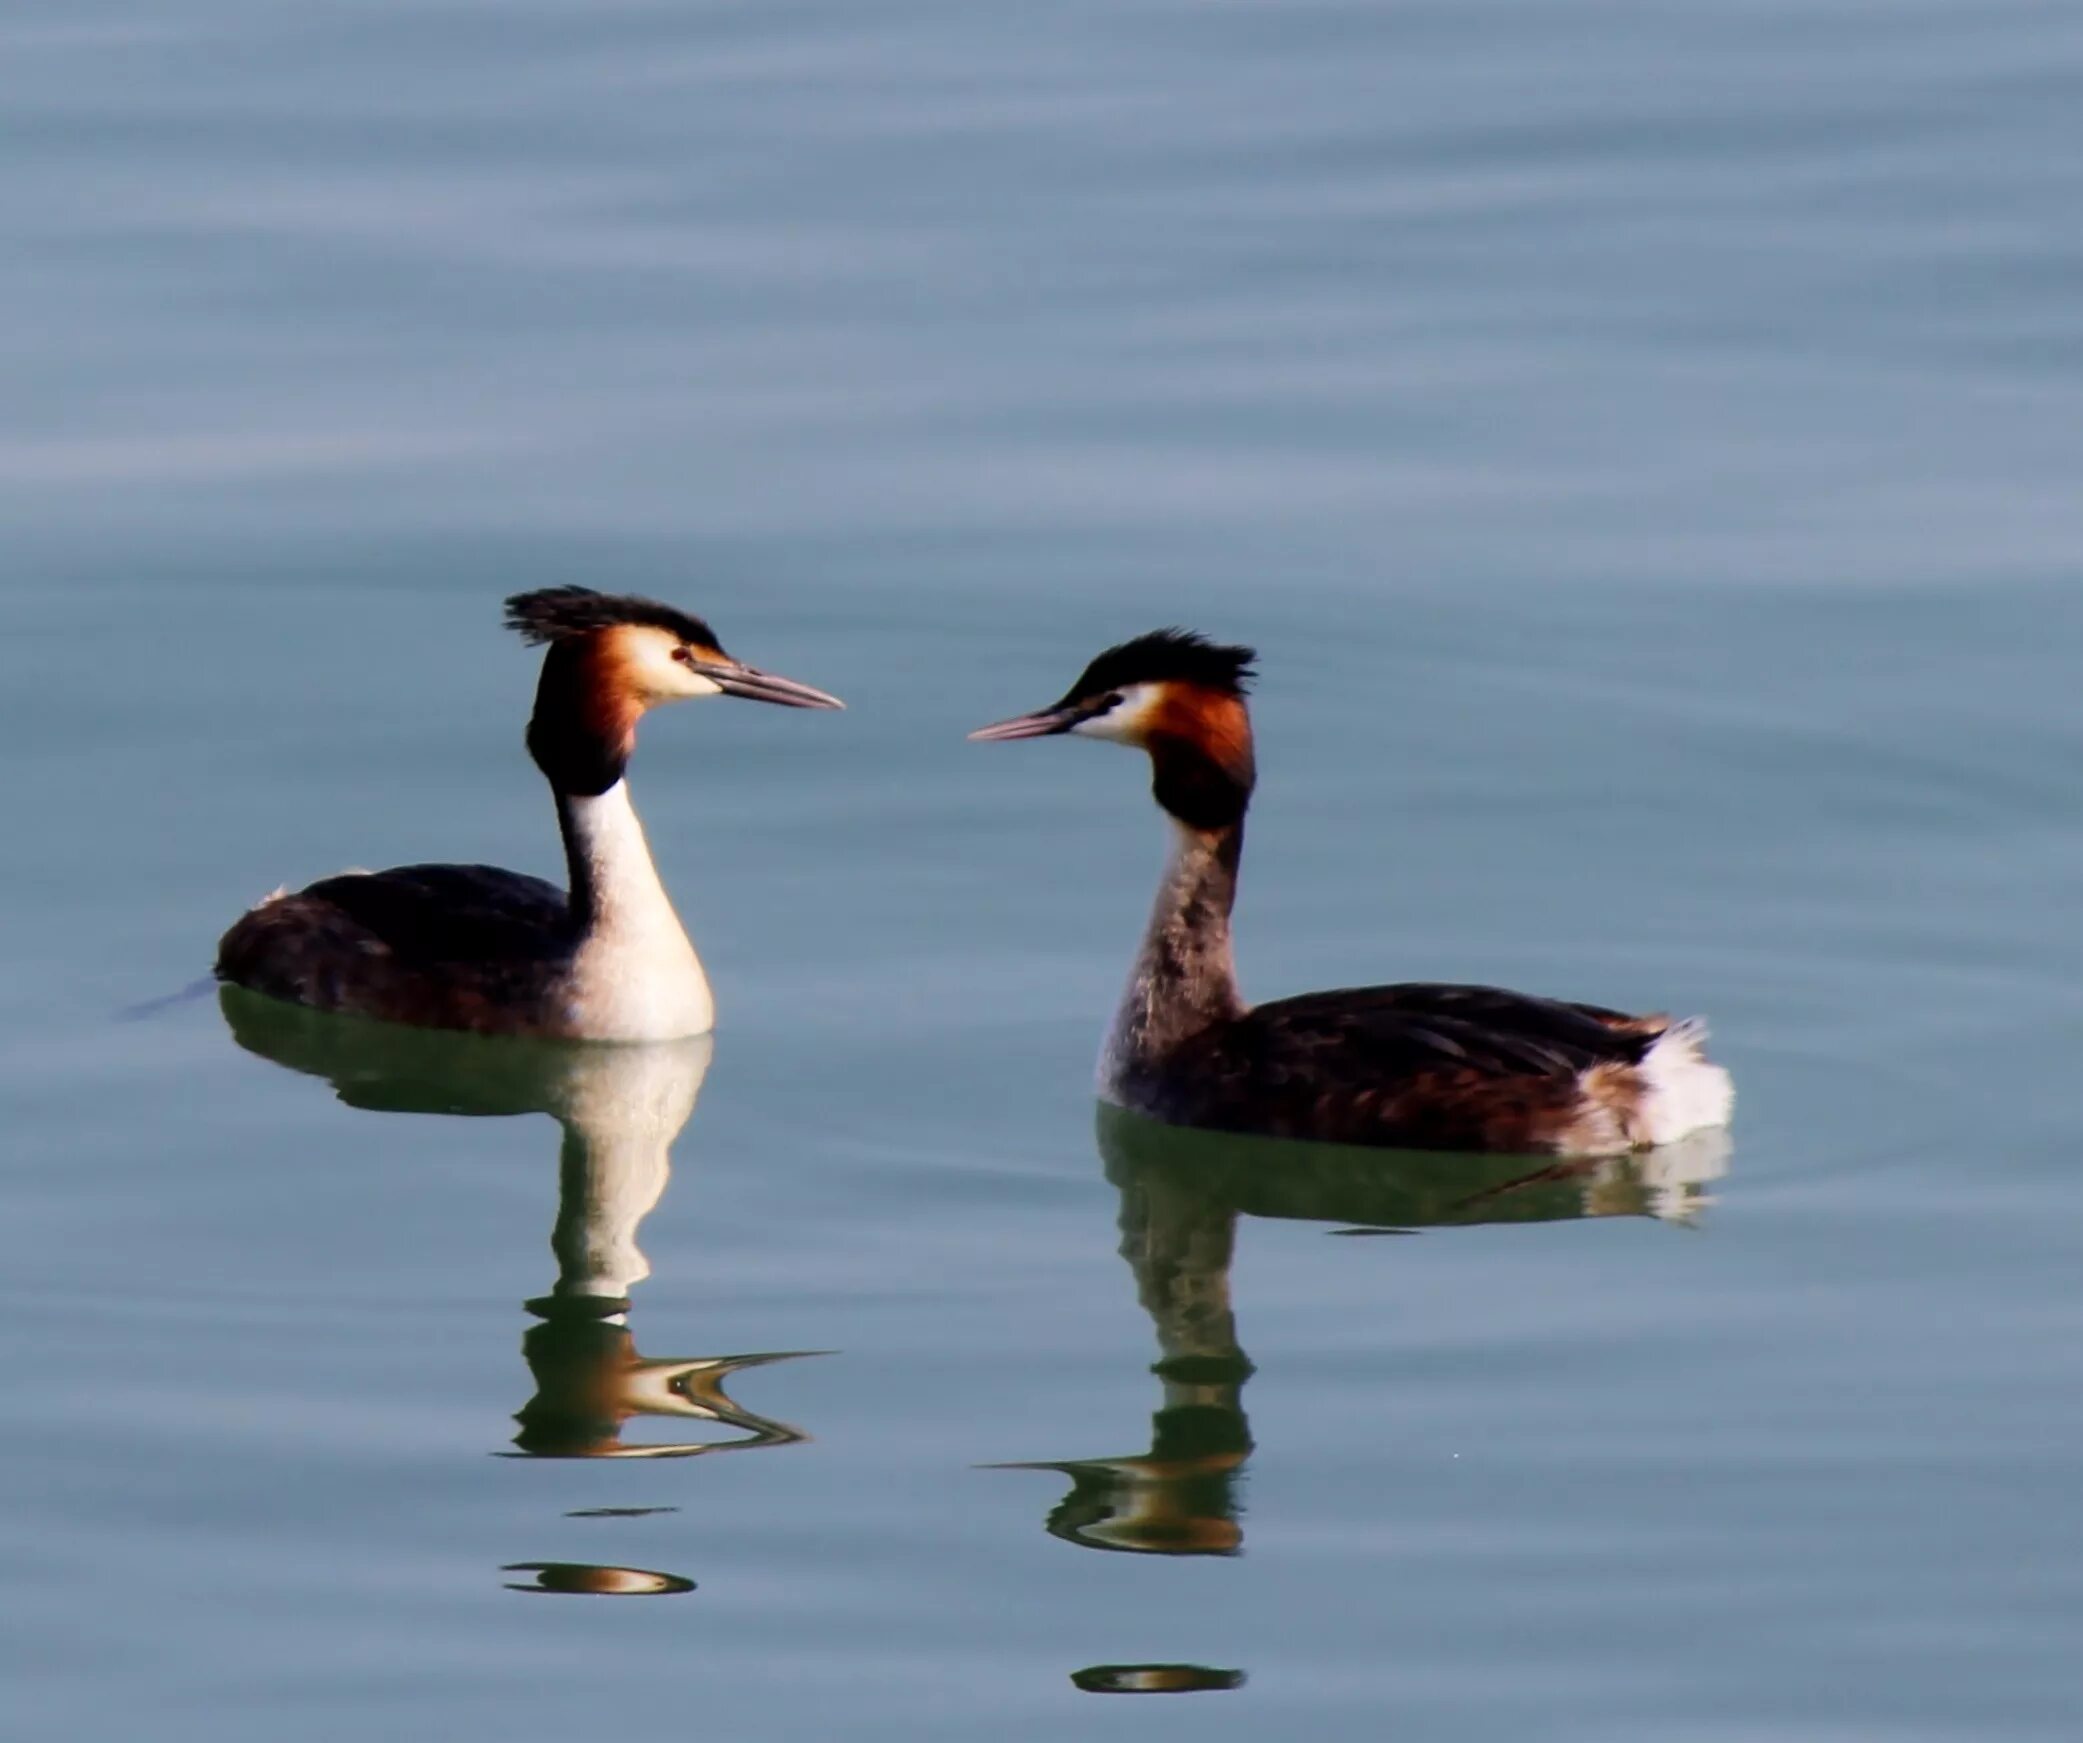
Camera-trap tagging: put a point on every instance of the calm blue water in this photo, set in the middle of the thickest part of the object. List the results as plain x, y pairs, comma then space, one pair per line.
1643, 443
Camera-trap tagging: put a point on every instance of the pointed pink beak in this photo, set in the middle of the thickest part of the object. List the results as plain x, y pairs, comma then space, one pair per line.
735, 679
1048, 721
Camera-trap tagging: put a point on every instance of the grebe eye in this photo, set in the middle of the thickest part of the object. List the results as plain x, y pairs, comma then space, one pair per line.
684, 655
1112, 699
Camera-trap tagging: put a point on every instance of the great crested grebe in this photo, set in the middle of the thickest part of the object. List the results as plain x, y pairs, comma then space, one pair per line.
1420, 1066
497, 952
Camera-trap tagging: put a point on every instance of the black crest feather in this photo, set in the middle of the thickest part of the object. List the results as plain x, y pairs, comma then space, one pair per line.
1169, 655
555, 614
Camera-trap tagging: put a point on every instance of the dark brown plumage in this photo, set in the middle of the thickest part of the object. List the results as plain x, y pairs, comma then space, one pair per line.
469, 947
1416, 1067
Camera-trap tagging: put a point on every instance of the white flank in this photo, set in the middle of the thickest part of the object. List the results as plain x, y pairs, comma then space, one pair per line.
1682, 1091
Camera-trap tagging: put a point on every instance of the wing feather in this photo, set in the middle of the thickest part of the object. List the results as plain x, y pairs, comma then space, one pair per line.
428, 914
1421, 1065
441, 946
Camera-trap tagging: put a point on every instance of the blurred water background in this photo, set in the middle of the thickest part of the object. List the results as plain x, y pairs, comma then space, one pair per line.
1643, 442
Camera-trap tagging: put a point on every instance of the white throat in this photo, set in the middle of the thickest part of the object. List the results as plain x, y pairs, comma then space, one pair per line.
635, 975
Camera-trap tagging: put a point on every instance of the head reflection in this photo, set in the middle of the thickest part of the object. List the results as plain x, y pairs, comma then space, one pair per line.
620, 1109
1182, 1192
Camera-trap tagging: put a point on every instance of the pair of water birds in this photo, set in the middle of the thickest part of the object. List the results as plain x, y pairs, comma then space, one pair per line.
1419, 1066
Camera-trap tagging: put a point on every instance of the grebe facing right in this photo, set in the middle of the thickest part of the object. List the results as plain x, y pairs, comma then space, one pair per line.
1417, 1067
495, 952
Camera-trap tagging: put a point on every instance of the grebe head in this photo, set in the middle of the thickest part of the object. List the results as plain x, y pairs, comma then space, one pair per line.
1176, 695
646, 653
613, 657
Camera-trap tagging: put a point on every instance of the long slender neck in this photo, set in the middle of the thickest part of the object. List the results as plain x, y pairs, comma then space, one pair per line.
615, 886
1185, 975
582, 735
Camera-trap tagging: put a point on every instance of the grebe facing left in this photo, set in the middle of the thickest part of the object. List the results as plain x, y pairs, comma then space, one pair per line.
1418, 1067
496, 952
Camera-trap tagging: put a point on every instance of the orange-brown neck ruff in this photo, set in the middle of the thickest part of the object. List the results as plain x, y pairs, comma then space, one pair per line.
586, 710
1201, 759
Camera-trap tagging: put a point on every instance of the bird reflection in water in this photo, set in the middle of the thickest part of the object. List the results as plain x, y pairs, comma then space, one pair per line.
620, 1107
594, 1581
1155, 1679
1182, 1192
